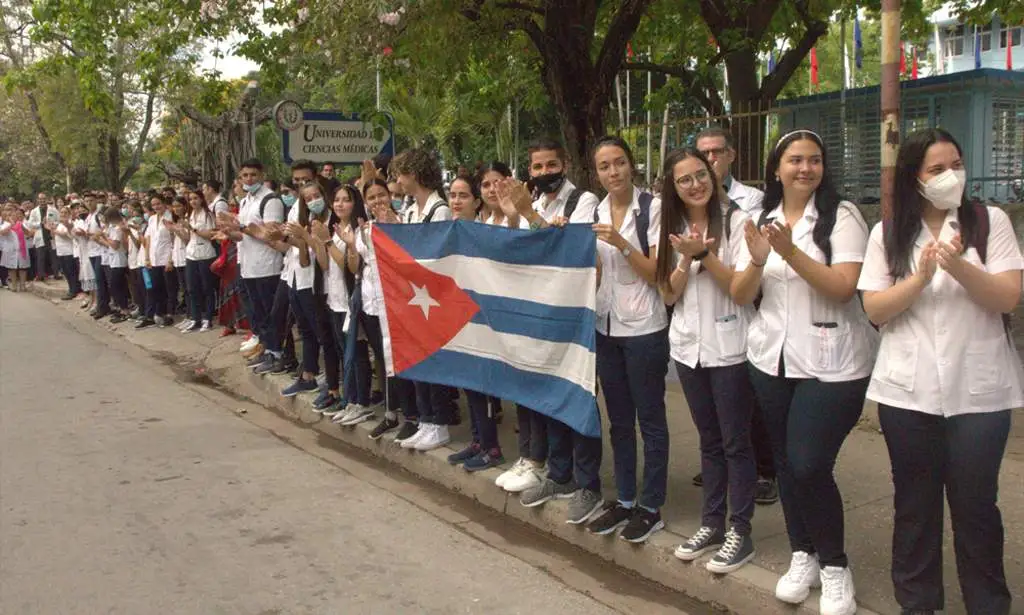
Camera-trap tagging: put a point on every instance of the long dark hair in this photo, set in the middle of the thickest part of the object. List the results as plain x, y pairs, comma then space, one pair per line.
826, 197
614, 141
358, 204
328, 196
202, 201
900, 233
674, 216
184, 202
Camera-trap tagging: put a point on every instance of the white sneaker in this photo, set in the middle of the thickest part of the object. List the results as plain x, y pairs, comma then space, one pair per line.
803, 574
206, 327
437, 438
186, 324
421, 433
525, 478
249, 344
344, 413
837, 592
509, 473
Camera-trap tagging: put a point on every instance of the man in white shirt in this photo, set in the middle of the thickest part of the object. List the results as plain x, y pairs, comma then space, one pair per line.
211, 192
42, 216
558, 196
259, 263
716, 145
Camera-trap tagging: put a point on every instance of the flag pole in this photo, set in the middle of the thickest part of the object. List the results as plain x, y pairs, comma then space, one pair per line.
890, 94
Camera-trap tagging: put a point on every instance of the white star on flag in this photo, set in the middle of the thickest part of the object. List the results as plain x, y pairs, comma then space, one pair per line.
422, 298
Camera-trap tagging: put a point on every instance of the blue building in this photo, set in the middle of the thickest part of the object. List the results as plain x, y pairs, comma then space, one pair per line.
965, 47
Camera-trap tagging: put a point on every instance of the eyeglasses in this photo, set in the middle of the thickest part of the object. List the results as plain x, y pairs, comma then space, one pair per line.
687, 181
716, 151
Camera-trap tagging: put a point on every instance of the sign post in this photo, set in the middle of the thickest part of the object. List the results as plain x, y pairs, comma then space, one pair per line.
343, 139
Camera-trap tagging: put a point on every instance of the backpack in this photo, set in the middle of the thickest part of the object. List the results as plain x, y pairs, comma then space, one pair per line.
980, 242
642, 219
430, 214
263, 203
572, 202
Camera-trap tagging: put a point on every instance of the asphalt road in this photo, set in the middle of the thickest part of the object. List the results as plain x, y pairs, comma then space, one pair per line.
123, 490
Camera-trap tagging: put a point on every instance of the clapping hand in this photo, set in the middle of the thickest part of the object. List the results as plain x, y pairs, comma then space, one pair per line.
780, 237
928, 261
320, 231
514, 198
757, 243
690, 244
948, 255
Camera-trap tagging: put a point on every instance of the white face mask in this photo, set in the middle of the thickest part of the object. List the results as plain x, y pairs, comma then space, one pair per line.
945, 190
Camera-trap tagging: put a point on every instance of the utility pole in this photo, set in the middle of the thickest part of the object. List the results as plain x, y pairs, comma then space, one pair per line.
890, 92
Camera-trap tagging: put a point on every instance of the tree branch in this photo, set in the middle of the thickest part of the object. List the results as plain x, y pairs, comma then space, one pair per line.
206, 121
696, 85
520, 6
772, 84
623, 25
140, 144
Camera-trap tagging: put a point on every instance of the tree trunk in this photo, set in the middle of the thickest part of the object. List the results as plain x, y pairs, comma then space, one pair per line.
749, 116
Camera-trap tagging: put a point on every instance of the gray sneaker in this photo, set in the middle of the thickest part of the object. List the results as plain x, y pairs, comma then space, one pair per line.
704, 540
357, 415
584, 504
547, 490
736, 551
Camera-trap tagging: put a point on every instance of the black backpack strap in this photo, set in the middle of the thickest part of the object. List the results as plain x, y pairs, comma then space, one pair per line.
981, 231
643, 221
729, 212
263, 203
572, 202
430, 214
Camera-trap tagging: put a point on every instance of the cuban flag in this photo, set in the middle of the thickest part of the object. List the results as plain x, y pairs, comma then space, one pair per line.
505, 312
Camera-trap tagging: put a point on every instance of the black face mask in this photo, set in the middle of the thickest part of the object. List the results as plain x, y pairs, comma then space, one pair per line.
549, 183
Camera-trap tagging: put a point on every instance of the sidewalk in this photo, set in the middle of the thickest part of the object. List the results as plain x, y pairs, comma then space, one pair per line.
862, 471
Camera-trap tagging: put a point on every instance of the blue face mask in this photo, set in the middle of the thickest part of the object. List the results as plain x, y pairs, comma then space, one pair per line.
125, 211
145, 216
316, 206
288, 199
250, 188
396, 204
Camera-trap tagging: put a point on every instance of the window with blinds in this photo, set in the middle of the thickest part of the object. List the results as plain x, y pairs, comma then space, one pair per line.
1008, 147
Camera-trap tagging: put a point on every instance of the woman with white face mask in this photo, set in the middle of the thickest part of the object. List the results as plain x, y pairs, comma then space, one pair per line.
944, 390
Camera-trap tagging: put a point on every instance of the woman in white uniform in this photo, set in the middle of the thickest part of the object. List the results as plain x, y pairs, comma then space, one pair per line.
810, 350
938, 278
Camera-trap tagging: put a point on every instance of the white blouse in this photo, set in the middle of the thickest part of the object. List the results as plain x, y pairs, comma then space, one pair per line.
334, 281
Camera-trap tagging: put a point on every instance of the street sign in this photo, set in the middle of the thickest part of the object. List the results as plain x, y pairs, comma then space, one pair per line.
342, 139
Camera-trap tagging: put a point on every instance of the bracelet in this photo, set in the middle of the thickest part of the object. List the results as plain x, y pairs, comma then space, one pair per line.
791, 254
758, 265
700, 256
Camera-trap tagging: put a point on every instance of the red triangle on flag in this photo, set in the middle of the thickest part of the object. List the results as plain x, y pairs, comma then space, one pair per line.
425, 310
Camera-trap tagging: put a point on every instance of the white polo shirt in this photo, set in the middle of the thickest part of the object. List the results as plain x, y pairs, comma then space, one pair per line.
413, 214
946, 355
585, 206
748, 198
293, 273
524, 224
220, 206
707, 326
627, 306
256, 258
198, 248
373, 299
789, 321
161, 242
92, 226
178, 252
116, 259
64, 245
334, 281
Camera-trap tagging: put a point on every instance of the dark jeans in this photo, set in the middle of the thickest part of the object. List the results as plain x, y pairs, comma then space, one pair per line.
720, 400
138, 288
44, 259
958, 457
102, 290
156, 297
69, 269
533, 434
172, 281
282, 319
435, 403
632, 372
202, 289
573, 455
311, 317
31, 260
351, 392
808, 421
761, 442
400, 393
485, 428
261, 299
119, 286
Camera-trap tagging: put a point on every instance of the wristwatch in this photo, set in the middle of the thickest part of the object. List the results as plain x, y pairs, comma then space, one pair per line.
700, 257
626, 251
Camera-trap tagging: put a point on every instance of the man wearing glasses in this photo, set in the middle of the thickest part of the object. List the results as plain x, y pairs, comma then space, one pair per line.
716, 145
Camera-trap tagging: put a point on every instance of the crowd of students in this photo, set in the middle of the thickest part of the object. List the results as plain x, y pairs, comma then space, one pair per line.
773, 302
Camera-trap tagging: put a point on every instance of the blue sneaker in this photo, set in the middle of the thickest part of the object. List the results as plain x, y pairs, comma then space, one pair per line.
325, 399
299, 386
486, 459
464, 455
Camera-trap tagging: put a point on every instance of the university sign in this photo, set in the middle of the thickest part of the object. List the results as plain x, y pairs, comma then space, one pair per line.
338, 138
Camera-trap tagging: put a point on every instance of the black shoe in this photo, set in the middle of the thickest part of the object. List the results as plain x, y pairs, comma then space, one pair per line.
383, 427
613, 517
256, 361
698, 481
117, 318
464, 455
376, 397
767, 491
266, 366
642, 525
407, 431
282, 366
99, 315
145, 322
67, 297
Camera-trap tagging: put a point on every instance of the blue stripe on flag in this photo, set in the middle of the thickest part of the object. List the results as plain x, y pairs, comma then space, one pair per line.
571, 246
550, 395
537, 320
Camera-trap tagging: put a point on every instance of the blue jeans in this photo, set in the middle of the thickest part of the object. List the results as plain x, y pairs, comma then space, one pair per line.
102, 290
400, 393
261, 298
484, 427
956, 458
156, 295
202, 289
721, 404
632, 372
573, 455
808, 421
533, 434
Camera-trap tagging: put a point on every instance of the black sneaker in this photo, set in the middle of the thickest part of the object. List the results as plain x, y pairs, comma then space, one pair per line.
383, 427
376, 397
99, 315
736, 551
266, 366
283, 366
464, 455
145, 322
407, 431
118, 318
767, 491
704, 540
256, 361
642, 525
613, 517
698, 481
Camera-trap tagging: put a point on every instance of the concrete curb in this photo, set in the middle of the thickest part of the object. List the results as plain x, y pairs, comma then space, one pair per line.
750, 589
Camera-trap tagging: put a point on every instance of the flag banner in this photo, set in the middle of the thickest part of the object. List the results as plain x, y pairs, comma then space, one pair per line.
814, 65
977, 48
501, 311
1009, 49
858, 44
903, 60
